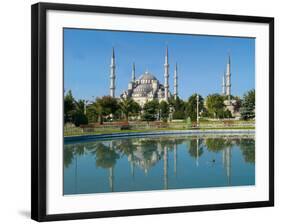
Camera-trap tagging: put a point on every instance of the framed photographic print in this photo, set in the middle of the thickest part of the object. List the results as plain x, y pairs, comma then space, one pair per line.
139, 111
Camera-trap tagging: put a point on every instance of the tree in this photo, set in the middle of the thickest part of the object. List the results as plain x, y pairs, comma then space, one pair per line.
127, 106
80, 105
227, 114
109, 105
74, 110
69, 106
97, 109
215, 105
164, 110
105, 106
150, 110
179, 108
92, 113
238, 103
136, 108
79, 118
222, 113
188, 122
191, 109
248, 105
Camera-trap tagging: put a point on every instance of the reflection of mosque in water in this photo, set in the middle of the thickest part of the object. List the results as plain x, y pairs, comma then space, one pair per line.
145, 153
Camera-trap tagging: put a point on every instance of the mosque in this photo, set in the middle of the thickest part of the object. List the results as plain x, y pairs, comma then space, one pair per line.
147, 87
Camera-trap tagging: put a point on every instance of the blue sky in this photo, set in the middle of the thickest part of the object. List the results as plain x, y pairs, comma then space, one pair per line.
201, 61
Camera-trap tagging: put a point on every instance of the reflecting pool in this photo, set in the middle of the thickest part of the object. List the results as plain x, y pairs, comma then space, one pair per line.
158, 163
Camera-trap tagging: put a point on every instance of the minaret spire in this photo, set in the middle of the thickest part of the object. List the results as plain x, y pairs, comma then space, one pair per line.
166, 75
112, 74
223, 84
176, 82
228, 78
133, 73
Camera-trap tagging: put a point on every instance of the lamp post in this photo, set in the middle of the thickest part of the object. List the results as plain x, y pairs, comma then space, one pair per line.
171, 111
85, 106
197, 110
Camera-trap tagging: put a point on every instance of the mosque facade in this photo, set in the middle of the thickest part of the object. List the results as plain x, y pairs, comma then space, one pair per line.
146, 87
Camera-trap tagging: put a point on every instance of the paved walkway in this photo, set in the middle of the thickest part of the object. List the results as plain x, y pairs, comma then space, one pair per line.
172, 132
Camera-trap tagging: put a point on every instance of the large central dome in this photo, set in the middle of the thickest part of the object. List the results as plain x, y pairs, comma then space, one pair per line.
144, 85
146, 88
147, 76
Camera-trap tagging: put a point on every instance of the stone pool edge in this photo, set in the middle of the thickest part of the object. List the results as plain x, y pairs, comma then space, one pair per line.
137, 134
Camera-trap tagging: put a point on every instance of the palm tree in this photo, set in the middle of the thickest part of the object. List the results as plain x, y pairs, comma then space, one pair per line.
126, 106
80, 104
97, 108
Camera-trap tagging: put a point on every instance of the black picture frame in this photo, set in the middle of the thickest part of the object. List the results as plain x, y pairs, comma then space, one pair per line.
38, 109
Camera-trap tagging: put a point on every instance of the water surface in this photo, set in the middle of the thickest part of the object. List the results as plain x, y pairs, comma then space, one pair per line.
158, 163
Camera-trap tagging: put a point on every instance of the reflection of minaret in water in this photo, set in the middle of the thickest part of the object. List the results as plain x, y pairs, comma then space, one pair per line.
227, 163
197, 151
165, 168
175, 159
76, 185
111, 173
159, 148
111, 179
223, 157
133, 169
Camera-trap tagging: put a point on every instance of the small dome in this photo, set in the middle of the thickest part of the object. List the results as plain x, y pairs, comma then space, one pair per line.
143, 88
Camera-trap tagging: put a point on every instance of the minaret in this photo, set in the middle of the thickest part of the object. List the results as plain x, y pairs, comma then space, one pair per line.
228, 78
112, 74
133, 73
176, 82
223, 84
166, 75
